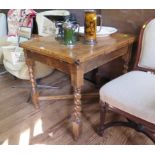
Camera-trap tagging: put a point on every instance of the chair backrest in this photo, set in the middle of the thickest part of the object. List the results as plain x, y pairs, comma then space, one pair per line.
45, 26
19, 17
145, 59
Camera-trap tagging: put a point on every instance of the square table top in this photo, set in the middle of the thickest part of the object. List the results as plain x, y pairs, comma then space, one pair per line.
51, 47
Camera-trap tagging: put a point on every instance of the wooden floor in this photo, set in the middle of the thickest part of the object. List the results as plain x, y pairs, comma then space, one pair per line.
20, 123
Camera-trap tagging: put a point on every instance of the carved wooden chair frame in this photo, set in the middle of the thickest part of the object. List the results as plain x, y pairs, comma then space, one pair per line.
132, 121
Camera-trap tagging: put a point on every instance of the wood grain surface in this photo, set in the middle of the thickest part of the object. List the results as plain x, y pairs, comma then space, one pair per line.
20, 123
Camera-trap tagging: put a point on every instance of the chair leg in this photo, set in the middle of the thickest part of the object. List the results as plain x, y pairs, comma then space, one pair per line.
39, 86
29, 97
149, 134
43, 86
129, 123
103, 110
152, 138
3, 71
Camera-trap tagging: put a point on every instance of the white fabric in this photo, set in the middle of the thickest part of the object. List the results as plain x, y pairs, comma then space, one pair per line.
1, 55
14, 54
3, 25
14, 63
41, 70
6, 41
3, 32
45, 26
147, 57
133, 92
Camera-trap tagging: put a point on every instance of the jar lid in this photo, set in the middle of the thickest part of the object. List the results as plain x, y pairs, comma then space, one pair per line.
67, 24
90, 10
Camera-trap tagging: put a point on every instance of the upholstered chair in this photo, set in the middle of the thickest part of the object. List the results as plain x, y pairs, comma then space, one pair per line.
14, 63
14, 60
132, 95
45, 26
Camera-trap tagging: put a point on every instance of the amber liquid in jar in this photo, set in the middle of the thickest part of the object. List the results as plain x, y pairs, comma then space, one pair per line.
90, 27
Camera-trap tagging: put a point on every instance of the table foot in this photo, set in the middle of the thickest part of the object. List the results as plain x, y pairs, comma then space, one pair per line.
35, 100
76, 129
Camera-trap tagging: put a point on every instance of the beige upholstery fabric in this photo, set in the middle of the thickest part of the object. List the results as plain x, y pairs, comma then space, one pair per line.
133, 92
148, 47
15, 64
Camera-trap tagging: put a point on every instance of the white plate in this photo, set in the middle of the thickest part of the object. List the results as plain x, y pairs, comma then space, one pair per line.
105, 31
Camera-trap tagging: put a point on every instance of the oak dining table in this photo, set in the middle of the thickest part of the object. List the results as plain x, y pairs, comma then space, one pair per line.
76, 61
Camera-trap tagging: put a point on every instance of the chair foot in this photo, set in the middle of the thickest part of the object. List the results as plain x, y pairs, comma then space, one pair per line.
100, 131
3, 73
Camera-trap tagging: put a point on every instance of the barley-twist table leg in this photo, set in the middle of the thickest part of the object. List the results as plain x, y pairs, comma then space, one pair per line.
76, 117
35, 101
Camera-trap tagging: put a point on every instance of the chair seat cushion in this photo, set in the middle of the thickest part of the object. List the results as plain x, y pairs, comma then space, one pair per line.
134, 93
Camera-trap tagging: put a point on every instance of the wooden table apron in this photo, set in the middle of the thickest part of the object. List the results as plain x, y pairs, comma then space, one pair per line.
75, 61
